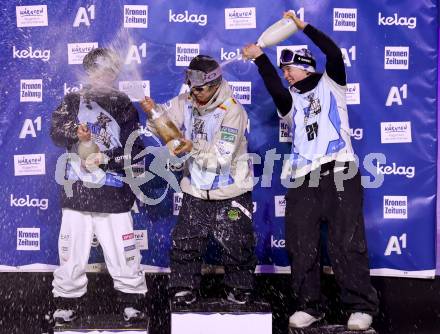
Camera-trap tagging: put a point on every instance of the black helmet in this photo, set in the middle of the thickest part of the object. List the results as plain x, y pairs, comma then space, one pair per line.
203, 70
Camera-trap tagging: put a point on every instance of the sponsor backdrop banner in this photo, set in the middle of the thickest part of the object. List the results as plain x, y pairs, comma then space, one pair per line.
390, 50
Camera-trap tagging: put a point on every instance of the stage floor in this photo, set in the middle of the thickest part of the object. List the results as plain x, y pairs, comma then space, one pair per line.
408, 306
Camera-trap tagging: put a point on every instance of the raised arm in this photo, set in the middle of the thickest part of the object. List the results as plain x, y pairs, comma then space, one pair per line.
280, 94
334, 61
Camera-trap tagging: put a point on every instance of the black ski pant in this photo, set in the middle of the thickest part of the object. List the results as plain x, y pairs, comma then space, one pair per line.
305, 208
229, 223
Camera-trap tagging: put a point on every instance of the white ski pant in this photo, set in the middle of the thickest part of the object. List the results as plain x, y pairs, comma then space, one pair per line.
115, 234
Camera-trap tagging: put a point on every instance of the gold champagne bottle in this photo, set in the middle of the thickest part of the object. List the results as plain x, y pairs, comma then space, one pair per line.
165, 128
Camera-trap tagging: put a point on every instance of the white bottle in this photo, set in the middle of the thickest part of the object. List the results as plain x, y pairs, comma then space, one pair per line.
277, 32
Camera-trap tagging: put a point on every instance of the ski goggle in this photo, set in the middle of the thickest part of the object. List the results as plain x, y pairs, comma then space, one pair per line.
196, 78
200, 89
289, 57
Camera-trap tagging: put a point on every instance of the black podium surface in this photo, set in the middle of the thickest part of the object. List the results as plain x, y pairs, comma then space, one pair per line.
218, 305
102, 323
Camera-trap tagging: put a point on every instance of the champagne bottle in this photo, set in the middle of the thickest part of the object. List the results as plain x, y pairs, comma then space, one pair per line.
277, 32
165, 128
85, 148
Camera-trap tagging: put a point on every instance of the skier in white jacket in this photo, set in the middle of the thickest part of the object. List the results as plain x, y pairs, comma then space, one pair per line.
217, 184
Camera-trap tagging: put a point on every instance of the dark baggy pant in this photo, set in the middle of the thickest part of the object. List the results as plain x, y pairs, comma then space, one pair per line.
227, 224
305, 207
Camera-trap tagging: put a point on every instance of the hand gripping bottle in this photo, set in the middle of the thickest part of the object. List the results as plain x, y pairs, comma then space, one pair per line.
166, 129
277, 32
85, 148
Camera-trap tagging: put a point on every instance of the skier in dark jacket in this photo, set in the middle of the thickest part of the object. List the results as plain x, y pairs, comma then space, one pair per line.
99, 117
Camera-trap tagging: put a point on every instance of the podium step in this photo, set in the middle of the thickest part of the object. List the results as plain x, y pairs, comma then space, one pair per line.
328, 329
102, 323
206, 305
216, 316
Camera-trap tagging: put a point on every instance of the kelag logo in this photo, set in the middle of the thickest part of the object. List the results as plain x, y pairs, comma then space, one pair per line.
227, 55
357, 133
277, 243
71, 89
30, 52
395, 20
201, 19
408, 171
41, 204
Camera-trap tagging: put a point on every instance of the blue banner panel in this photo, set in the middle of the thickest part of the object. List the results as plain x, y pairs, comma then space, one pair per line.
390, 51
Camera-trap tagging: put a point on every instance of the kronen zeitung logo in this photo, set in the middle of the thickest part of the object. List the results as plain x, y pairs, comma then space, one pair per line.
185, 53
396, 57
135, 16
345, 19
28, 239
31, 90
395, 207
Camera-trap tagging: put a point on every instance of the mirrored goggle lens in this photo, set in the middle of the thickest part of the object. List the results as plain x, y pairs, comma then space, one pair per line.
195, 78
200, 89
286, 57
